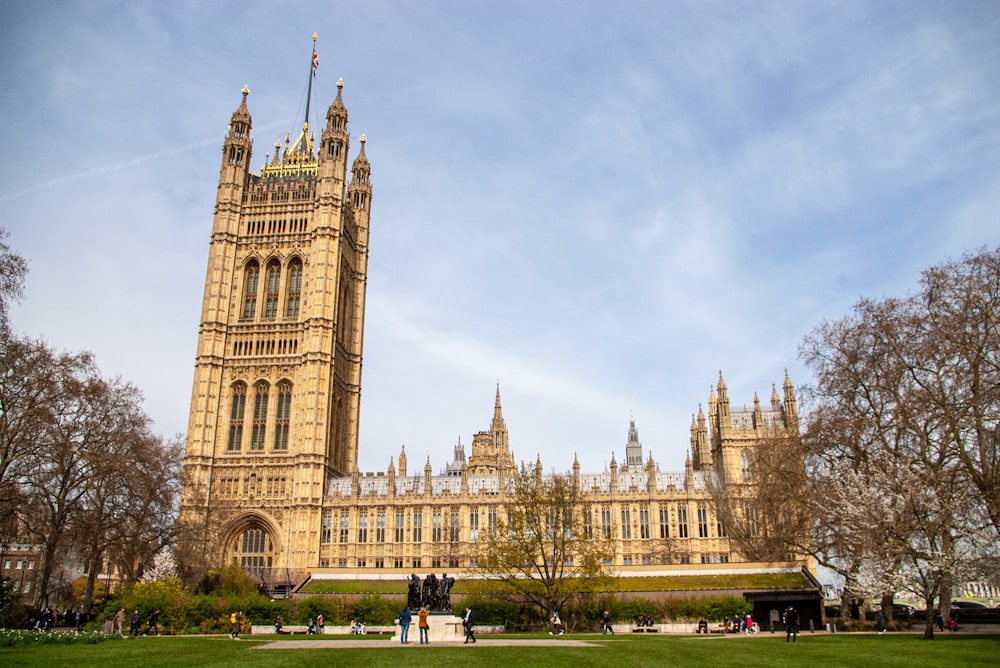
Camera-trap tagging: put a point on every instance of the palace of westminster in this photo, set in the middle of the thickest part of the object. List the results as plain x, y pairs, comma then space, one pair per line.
270, 472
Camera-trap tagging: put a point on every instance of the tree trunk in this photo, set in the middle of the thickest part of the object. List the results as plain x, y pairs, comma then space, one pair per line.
929, 625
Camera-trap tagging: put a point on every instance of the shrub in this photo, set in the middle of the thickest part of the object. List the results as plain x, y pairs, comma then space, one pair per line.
373, 609
313, 606
168, 595
712, 608
492, 612
630, 609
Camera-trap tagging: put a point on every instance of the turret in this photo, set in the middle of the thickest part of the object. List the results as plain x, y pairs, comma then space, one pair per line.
427, 477
614, 474
333, 148
791, 408
236, 151
576, 472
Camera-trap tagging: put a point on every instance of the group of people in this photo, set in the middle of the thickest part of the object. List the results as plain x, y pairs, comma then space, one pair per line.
135, 623
423, 624
644, 620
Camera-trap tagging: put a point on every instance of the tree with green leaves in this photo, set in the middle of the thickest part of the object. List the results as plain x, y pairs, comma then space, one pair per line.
540, 549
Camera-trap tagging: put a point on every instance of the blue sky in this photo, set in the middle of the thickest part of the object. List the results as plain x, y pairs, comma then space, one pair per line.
598, 204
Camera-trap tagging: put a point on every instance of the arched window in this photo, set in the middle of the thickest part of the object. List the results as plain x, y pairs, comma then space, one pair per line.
283, 416
294, 288
236, 417
251, 275
259, 416
746, 466
271, 295
253, 549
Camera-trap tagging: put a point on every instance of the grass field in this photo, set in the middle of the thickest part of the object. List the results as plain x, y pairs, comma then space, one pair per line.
843, 649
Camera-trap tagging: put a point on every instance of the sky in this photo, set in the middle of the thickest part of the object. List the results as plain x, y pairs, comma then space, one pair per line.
599, 206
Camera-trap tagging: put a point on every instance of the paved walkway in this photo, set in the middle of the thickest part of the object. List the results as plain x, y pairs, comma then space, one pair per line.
385, 644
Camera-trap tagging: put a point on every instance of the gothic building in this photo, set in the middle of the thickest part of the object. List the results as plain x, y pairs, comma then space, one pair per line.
270, 472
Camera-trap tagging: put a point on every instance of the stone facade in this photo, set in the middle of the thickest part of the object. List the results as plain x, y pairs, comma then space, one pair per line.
271, 479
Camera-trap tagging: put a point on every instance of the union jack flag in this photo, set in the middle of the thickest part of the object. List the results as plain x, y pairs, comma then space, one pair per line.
315, 63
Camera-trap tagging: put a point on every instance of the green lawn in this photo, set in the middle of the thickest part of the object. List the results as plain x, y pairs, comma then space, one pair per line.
843, 649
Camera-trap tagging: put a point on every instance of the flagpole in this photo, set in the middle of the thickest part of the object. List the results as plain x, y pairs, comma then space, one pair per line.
312, 75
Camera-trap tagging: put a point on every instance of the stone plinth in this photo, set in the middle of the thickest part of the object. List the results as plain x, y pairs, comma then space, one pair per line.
443, 628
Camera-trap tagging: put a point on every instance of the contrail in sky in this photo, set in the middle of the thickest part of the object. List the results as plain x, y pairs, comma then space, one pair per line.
118, 166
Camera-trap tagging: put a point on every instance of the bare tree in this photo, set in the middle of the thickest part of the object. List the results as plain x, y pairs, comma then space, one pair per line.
767, 517
540, 549
901, 445
13, 269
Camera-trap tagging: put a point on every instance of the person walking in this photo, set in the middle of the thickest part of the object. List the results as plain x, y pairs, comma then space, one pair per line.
236, 619
154, 618
468, 622
607, 623
423, 625
119, 619
405, 617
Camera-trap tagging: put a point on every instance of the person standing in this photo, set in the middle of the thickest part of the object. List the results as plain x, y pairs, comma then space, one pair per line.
236, 618
136, 620
468, 622
277, 625
405, 617
320, 622
607, 623
119, 619
424, 626
791, 624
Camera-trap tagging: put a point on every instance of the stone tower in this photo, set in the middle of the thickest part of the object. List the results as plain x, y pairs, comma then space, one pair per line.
277, 379
727, 444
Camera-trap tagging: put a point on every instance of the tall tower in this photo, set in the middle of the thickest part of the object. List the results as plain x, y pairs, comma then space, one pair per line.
277, 379
633, 448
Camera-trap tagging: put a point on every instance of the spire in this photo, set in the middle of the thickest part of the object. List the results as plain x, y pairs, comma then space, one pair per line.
633, 448
498, 427
775, 399
791, 406
497, 409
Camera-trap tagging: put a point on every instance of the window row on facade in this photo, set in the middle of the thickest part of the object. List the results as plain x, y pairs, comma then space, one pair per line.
262, 417
445, 525
276, 225
269, 292
258, 347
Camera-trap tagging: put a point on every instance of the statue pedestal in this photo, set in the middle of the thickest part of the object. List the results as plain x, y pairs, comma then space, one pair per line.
444, 627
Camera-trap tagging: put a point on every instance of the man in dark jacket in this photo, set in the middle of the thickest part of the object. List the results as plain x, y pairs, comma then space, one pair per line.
791, 624
469, 622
